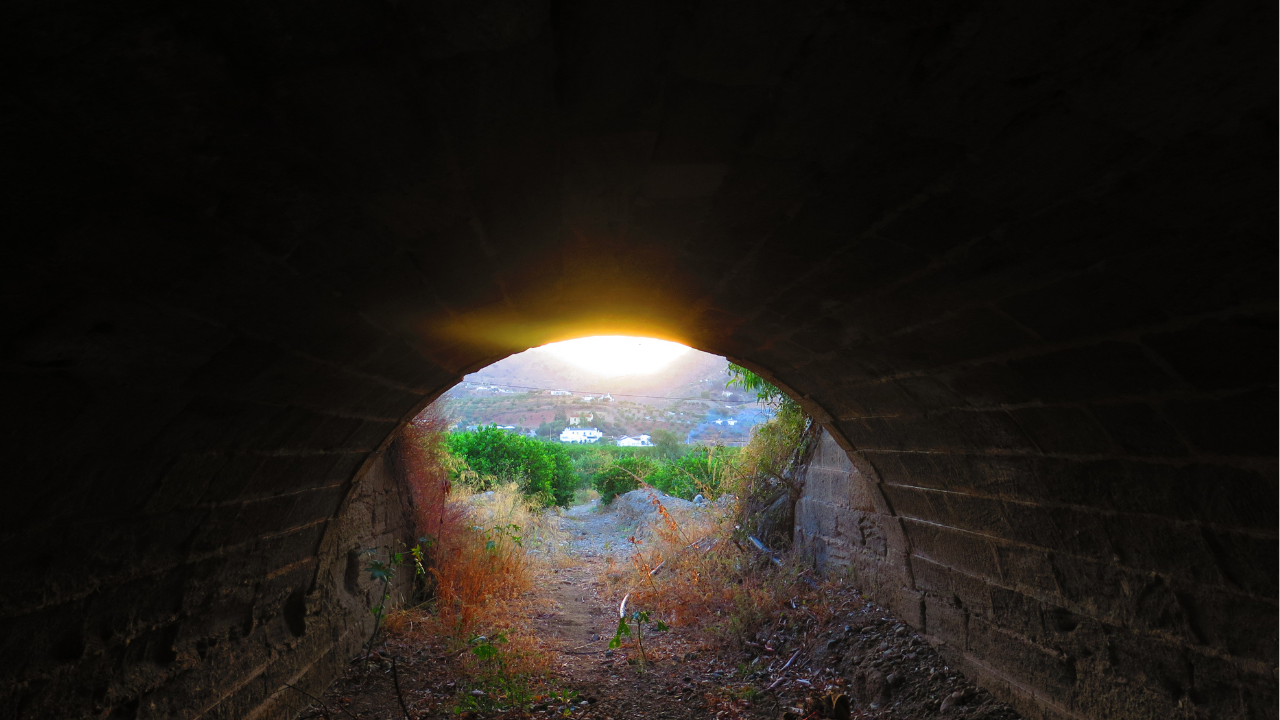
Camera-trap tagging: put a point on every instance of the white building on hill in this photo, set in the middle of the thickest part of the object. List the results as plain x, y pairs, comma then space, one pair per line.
580, 435
636, 441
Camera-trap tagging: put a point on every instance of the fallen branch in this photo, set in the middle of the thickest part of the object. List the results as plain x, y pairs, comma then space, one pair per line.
760, 547
395, 678
793, 659
324, 708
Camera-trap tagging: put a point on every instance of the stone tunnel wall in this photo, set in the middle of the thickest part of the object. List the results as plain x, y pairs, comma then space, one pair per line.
1020, 264
240, 574
1047, 588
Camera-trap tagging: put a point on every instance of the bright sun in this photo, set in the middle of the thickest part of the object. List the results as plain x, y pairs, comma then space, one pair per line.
613, 355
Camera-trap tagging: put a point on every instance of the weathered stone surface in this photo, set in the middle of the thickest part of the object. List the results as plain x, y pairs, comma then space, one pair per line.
1020, 265
1049, 604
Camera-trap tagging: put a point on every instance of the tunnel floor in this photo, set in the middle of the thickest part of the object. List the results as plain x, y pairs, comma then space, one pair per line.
861, 652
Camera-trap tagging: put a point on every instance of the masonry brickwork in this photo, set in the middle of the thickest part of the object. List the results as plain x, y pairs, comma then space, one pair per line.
1019, 264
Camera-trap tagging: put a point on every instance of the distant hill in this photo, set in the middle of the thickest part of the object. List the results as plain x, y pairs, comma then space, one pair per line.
686, 376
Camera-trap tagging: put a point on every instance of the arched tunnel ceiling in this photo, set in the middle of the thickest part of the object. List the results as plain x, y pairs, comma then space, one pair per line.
954, 230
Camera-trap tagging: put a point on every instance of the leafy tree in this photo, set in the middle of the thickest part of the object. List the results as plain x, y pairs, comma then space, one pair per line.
542, 470
702, 470
620, 476
668, 444
765, 391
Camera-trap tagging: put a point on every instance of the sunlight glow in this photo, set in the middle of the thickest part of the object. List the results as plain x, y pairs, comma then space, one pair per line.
614, 355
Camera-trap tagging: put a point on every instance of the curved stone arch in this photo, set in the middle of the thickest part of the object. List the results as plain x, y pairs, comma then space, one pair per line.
1021, 267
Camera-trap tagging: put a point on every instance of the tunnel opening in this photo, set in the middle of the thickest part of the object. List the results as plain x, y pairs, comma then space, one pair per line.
555, 533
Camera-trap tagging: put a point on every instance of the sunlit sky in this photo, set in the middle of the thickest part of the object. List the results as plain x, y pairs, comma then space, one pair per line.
614, 355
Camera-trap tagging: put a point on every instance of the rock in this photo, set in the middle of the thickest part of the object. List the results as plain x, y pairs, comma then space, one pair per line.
952, 701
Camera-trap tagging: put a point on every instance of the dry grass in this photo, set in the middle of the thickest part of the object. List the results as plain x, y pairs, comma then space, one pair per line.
484, 548
692, 571
486, 554
699, 570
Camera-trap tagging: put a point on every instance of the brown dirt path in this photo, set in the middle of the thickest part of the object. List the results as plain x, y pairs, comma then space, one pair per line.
888, 672
582, 616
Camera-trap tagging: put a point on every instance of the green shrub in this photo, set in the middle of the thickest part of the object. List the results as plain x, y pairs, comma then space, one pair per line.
702, 470
619, 476
542, 470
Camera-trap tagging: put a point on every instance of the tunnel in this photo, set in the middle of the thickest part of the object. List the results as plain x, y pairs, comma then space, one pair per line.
1018, 261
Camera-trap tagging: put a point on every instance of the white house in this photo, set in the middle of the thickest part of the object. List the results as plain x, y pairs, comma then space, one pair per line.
561, 392
580, 435
637, 441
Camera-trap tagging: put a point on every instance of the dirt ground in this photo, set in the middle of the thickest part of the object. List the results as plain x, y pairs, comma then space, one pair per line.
860, 663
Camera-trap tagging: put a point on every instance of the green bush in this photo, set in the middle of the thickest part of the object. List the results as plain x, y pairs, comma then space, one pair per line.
701, 470
619, 476
542, 470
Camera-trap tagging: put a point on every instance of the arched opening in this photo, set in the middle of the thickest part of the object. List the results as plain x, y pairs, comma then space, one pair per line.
1019, 268
607, 515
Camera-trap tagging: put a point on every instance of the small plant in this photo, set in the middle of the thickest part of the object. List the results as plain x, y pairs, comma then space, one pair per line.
496, 537
385, 572
498, 687
639, 618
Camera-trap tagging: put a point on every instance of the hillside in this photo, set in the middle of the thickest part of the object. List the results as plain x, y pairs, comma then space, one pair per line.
688, 397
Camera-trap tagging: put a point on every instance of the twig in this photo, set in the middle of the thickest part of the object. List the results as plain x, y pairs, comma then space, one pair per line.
760, 546
321, 702
395, 678
793, 658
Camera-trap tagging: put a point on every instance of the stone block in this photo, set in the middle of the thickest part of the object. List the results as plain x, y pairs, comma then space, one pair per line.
185, 481
874, 399
1098, 589
1138, 430
318, 504
967, 336
1246, 561
955, 431
232, 478
1228, 426
1222, 354
974, 513
988, 384
1029, 568
1146, 544
1062, 430
1069, 530
232, 367
1108, 369
946, 621
1239, 625
287, 474
1230, 496
1224, 688
369, 437
1100, 302
942, 222
914, 503
966, 552
830, 455
1030, 664
1157, 665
